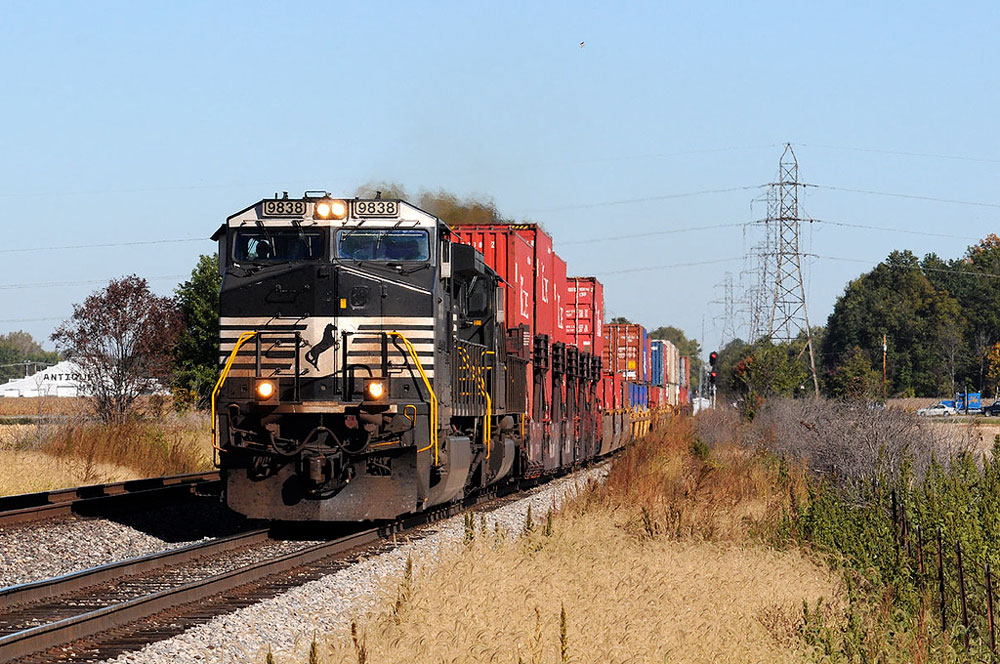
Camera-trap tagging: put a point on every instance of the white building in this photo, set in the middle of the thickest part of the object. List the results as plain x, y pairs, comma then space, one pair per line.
60, 380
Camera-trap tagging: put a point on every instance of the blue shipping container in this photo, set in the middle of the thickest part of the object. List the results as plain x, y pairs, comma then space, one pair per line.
657, 358
638, 395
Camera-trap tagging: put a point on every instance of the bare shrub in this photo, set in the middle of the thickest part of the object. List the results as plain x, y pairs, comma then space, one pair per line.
853, 443
717, 426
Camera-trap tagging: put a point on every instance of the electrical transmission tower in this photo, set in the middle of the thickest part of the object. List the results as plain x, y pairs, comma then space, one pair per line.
728, 308
788, 305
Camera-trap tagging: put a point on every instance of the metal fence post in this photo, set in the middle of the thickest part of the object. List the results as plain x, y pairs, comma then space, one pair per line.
920, 554
906, 530
940, 562
989, 610
961, 590
895, 523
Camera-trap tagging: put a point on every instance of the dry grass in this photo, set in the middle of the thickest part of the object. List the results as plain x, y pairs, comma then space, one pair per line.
44, 456
911, 404
70, 406
673, 485
154, 406
29, 472
179, 444
623, 598
666, 561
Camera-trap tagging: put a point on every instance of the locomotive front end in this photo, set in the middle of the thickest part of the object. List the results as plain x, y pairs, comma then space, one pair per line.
330, 313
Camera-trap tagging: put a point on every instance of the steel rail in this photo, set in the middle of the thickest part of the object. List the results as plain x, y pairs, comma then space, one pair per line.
39, 639
26, 507
47, 589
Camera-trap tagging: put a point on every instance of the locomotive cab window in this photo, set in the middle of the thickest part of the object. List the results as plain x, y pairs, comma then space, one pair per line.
388, 245
277, 245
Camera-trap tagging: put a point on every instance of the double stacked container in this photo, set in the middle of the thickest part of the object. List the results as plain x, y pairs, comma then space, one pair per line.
626, 351
538, 297
658, 358
584, 309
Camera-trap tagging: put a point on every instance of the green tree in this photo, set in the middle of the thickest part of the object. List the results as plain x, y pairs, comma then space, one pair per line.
19, 353
768, 370
197, 352
855, 379
923, 325
972, 280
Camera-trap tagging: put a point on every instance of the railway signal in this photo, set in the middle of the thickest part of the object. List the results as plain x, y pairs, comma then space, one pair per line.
713, 374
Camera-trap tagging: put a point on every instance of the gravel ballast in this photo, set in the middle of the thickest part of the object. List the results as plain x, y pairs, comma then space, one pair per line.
55, 547
290, 620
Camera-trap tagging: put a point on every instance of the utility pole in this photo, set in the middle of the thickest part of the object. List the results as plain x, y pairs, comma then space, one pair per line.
788, 305
885, 348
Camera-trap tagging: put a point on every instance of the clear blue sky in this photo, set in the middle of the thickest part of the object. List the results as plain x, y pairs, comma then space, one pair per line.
137, 122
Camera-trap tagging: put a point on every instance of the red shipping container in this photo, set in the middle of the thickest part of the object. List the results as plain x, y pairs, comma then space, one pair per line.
657, 396
585, 314
561, 291
625, 350
512, 257
541, 242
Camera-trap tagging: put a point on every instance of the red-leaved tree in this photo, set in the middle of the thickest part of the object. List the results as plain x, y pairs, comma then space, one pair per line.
123, 338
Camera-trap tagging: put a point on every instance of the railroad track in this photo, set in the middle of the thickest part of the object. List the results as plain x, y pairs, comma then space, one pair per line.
118, 607
97, 498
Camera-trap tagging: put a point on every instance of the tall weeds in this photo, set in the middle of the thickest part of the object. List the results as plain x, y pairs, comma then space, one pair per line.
149, 448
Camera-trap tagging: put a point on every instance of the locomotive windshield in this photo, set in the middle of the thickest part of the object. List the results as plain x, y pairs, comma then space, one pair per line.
393, 245
278, 245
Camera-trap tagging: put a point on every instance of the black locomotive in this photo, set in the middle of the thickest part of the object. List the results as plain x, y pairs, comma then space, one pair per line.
367, 371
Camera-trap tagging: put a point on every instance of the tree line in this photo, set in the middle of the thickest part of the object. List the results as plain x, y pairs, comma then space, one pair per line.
939, 320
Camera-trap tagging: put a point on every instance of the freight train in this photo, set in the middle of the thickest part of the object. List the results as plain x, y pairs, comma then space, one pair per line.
376, 362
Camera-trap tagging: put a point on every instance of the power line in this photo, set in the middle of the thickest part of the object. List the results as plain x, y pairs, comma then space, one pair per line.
670, 266
898, 195
682, 153
903, 153
876, 263
647, 199
827, 222
870, 227
55, 284
136, 190
689, 229
103, 244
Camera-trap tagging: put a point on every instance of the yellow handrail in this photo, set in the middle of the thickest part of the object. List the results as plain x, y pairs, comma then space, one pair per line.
243, 338
487, 424
489, 405
427, 384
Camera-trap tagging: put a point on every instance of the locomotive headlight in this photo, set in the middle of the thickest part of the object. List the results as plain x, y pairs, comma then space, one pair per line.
265, 389
374, 390
331, 210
